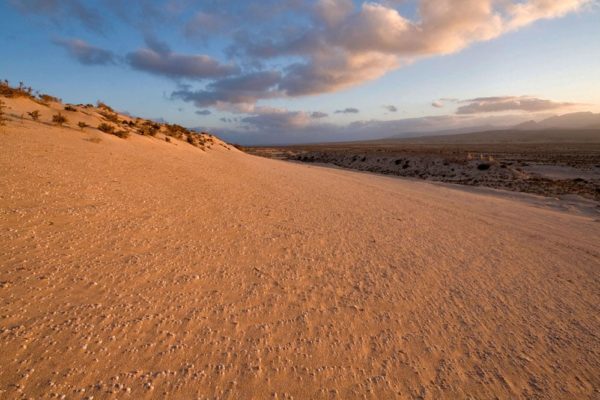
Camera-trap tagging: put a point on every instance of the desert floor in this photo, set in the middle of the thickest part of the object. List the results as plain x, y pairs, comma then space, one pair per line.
143, 269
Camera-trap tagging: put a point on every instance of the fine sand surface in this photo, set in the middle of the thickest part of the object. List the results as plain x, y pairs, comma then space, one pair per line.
146, 270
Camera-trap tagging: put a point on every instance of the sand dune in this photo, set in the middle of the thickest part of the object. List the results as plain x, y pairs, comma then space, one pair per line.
144, 269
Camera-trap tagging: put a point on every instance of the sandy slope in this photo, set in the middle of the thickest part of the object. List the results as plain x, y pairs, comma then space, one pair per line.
141, 269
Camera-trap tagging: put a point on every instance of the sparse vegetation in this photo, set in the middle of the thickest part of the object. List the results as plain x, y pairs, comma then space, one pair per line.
93, 139
121, 134
113, 121
46, 98
104, 106
59, 119
21, 91
176, 131
110, 116
106, 128
149, 128
35, 115
2, 117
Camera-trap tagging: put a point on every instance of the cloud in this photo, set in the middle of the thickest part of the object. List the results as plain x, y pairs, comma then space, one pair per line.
391, 108
244, 89
202, 22
62, 11
278, 120
85, 53
203, 112
177, 66
348, 45
160, 60
318, 115
509, 103
292, 48
349, 110
437, 104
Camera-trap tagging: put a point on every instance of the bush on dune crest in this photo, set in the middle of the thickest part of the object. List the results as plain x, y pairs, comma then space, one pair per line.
21, 91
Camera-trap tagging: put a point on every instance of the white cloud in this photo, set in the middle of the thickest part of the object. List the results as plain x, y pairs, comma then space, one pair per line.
510, 103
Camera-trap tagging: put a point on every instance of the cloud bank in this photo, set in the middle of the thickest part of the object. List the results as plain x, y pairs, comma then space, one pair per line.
291, 48
346, 45
85, 53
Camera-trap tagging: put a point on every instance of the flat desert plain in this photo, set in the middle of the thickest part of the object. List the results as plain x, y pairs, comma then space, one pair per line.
136, 268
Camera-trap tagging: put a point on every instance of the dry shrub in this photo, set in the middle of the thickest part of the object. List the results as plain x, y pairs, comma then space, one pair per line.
121, 134
149, 128
69, 107
46, 98
106, 128
82, 125
104, 106
35, 115
110, 116
59, 119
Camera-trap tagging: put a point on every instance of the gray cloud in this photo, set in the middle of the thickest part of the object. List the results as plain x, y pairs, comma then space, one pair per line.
173, 65
391, 108
203, 22
243, 89
509, 103
62, 11
349, 110
160, 60
278, 120
318, 115
85, 53
203, 112
437, 104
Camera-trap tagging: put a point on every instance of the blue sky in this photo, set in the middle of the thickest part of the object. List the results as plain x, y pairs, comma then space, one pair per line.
293, 70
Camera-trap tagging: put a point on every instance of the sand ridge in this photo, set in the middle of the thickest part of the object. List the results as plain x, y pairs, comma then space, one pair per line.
144, 269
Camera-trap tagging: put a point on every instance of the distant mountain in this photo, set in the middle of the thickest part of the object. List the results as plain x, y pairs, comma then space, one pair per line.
565, 122
443, 132
510, 136
579, 120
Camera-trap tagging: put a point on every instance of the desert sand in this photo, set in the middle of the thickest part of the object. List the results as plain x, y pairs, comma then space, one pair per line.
136, 268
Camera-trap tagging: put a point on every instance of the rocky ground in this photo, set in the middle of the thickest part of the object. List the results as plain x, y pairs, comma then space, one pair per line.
545, 169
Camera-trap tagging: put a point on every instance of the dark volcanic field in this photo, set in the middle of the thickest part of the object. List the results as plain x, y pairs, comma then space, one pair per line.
549, 169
